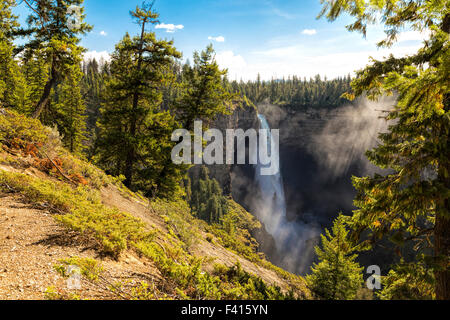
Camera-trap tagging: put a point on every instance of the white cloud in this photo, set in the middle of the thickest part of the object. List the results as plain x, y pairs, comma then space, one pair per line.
99, 56
412, 36
170, 28
309, 32
235, 64
218, 39
103, 33
283, 14
303, 61
322, 55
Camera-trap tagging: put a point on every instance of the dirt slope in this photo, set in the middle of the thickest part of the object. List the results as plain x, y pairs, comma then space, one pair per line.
112, 197
32, 243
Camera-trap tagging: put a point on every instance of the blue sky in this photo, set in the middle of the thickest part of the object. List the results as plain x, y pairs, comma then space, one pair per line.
275, 38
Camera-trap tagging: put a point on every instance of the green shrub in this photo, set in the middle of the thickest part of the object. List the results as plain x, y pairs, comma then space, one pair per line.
16, 126
81, 210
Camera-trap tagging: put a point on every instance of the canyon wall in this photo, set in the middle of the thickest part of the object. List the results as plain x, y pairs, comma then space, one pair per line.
320, 150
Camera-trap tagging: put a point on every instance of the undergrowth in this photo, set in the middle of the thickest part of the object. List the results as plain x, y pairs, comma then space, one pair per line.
80, 209
77, 205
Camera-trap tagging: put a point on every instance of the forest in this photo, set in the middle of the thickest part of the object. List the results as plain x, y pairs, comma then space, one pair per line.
119, 115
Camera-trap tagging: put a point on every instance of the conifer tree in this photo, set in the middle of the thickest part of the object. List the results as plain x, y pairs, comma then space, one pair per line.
205, 196
337, 276
204, 95
135, 134
93, 84
71, 109
294, 92
412, 203
35, 70
54, 30
12, 82
408, 281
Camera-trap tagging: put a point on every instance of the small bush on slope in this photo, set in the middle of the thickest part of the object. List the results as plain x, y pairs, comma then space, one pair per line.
80, 210
28, 137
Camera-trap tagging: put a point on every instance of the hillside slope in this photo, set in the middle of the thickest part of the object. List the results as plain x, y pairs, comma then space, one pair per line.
58, 211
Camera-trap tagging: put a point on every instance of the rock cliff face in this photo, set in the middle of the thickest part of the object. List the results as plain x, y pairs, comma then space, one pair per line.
320, 150
311, 197
238, 180
245, 117
314, 193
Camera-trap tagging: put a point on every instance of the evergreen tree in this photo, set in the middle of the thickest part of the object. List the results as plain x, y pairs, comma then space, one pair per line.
92, 85
71, 109
408, 281
12, 82
412, 203
337, 276
53, 33
35, 69
205, 196
295, 93
204, 95
135, 134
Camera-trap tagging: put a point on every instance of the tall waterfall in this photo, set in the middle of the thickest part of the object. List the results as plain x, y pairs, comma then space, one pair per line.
290, 237
271, 188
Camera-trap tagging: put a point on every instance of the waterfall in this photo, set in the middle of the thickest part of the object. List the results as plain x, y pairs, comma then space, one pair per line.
271, 188
291, 237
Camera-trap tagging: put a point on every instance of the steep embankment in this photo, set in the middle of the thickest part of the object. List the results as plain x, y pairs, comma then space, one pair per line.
58, 211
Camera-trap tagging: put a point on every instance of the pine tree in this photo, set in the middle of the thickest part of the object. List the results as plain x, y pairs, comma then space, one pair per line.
135, 134
204, 95
293, 92
12, 83
412, 203
35, 70
205, 196
337, 276
53, 34
408, 281
71, 109
92, 85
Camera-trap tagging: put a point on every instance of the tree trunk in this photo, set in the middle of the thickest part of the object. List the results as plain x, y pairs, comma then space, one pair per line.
442, 248
442, 225
131, 154
129, 162
45, 97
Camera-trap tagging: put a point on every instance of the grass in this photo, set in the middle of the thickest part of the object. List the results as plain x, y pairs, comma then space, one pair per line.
78, 207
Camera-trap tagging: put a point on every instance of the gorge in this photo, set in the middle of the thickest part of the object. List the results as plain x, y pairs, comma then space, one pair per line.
320, 150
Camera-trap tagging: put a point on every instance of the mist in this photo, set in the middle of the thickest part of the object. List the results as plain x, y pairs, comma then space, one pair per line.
334, 143
347, 136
